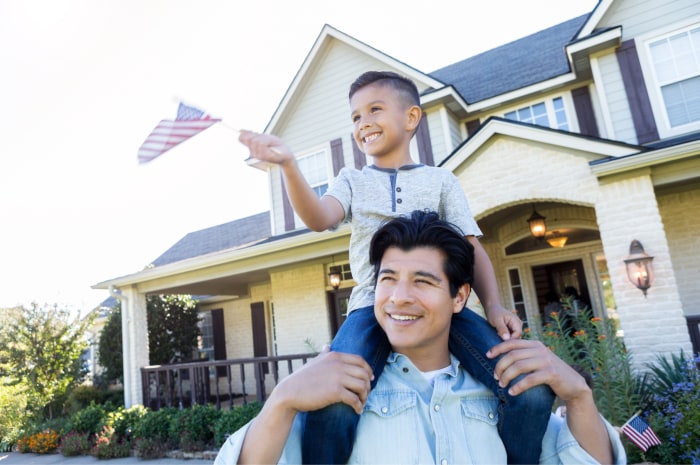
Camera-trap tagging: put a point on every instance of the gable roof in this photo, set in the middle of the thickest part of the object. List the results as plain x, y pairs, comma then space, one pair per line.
234, 234
523, 62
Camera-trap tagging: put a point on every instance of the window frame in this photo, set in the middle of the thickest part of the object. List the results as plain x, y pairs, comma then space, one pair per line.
653, 85
322, 151
551, 112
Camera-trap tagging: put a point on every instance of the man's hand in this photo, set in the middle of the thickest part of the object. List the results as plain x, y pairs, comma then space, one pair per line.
508, 325
329, 378
266, 147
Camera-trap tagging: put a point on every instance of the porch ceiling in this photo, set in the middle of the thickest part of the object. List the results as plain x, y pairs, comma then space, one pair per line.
223, 286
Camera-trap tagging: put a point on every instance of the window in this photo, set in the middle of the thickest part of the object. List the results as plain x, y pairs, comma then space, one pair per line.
516, 290
205, 345
550, 114
675, 60
315, 168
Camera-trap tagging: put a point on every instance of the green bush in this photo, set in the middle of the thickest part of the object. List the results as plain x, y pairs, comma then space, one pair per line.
13, 404
109, 446
90, 419
75, 443
195, 427
153, 433
124, 420
234, 419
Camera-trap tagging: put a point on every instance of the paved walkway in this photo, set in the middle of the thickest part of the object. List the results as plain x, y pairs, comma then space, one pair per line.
15, 458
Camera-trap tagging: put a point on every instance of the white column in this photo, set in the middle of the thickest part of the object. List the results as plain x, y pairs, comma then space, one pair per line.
627, 210
134, 344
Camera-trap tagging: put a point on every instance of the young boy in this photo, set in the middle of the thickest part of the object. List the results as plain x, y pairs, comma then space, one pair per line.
385, 111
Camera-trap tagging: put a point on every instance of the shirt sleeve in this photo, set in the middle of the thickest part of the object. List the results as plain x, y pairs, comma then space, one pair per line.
340, 189
559, 445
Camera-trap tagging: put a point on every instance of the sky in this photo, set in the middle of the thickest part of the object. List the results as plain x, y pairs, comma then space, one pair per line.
83, 82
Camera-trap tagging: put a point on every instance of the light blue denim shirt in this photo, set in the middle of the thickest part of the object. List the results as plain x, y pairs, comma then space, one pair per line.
409, 421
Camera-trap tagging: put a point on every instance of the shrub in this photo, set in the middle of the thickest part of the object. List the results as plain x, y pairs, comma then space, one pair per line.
13, 404
195, 427
152, 433
123, 420
109, 446
81, 397
75, 443
90, 419
43, 442
233, 420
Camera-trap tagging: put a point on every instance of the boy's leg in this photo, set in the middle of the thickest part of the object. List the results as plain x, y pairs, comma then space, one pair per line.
523, 418
329, 433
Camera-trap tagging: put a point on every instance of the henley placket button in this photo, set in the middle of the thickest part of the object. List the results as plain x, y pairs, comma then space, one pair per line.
398, 189
399, 200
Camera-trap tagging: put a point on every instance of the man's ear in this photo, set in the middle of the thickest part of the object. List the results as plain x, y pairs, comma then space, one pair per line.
460, 299
414, 115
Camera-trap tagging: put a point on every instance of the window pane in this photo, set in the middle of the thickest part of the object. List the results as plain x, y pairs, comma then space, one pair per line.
682, 101
315, 168
511, 115
525, 115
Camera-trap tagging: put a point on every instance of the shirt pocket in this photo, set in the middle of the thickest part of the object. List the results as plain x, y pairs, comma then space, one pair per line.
483, 409
480, 426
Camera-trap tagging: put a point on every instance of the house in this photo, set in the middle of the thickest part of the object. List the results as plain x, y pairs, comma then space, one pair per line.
593, 124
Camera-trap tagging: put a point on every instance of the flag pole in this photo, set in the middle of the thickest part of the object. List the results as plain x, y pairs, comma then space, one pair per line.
631, 418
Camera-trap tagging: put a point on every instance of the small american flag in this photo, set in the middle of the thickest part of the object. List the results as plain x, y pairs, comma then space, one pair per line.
189, 122
640, 433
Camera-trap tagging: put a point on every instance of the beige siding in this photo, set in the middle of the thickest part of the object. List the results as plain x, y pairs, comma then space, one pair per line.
641, 16
610, 88
680, 212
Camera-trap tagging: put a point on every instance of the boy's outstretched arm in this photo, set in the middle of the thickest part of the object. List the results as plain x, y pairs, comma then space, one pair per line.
317, 214
507, 324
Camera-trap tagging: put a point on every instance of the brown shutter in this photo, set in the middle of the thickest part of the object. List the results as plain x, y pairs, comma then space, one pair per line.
584, 111
219, 330
337, 155
633, 79
473, 126
425, 148
357, 154
257, 313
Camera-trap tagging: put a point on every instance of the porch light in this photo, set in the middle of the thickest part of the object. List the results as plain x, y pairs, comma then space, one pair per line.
334, 278
538, 228
557, 240
640, 270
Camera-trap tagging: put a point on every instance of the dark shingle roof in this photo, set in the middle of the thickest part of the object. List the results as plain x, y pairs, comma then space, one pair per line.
512, 66
224, 236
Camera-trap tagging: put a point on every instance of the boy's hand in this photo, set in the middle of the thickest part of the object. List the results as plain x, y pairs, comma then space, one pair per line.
507, 324
266, 147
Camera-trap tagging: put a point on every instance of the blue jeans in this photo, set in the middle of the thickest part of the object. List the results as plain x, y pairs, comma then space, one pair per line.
329, 433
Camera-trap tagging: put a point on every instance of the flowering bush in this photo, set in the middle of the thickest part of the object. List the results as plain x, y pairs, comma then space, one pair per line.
43, 442
75, 443
109, 446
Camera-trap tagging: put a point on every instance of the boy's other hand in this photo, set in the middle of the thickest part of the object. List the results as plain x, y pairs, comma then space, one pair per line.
266, 147
508, 325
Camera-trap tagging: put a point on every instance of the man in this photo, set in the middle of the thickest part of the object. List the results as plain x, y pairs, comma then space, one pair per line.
425, 408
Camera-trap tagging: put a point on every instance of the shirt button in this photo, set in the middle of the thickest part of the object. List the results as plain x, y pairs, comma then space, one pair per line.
443, 462
399, 200
405, 370
437, 408
491, 415
398, 189
385, 409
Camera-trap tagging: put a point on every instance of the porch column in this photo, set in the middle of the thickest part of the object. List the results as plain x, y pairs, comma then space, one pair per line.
627, 210
134, 343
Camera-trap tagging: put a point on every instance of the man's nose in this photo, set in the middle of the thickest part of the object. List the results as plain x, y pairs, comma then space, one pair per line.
401, 293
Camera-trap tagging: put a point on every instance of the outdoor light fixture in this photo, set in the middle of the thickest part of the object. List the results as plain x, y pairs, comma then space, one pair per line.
556, 239
334, 277
640, 270
537, 226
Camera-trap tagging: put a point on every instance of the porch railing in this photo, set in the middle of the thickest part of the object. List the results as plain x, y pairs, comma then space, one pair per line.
224, 383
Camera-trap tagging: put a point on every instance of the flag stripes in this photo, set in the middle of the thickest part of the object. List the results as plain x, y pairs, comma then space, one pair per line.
640, 433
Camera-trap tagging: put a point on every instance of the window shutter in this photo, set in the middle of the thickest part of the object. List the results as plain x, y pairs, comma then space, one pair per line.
257, 313
337, 155
633, 79
584, 111
357, 154
425, 148
219, 330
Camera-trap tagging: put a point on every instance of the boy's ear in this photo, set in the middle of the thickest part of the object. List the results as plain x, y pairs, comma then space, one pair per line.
414, 114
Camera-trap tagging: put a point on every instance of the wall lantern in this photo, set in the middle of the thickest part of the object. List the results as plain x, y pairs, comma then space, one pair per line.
537, 226
334, 278
640, 270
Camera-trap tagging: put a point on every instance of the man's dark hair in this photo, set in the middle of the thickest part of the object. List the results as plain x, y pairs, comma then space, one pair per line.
426, 229
406, 87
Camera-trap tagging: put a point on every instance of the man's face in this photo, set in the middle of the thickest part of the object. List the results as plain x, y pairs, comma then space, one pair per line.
414, 307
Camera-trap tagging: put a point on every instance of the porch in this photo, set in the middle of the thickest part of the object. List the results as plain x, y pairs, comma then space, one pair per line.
223, 383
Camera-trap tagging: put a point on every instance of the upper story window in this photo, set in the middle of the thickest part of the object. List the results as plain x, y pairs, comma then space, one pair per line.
675, 60
551, 113
314, 166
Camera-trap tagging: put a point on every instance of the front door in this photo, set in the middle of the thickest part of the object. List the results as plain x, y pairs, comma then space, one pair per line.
557, 277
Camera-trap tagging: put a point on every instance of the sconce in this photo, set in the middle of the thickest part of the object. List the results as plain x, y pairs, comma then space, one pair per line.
538, 228
334, 278
640, 270
556, 239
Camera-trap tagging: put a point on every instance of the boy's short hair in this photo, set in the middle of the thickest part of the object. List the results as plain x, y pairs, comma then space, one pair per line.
403, 85
424, 228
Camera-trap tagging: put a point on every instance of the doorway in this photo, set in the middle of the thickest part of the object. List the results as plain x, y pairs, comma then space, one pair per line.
338, 308
557, 277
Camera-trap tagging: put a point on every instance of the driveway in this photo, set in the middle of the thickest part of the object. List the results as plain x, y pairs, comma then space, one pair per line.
15, 458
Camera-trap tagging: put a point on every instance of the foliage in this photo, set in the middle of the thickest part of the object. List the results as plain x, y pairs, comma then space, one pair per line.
673, 413
123, 420
90, 419
110, 355
82, 396
594, 348
195, 427
172, 328
153, 434
43, 442
43, 348
108, 445
13, 403
75, 443
232, 420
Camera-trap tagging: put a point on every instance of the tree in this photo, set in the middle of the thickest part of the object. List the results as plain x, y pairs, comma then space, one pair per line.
172, 333
43, 348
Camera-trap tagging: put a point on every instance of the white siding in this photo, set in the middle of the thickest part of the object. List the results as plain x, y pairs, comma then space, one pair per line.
642, 16
618, 114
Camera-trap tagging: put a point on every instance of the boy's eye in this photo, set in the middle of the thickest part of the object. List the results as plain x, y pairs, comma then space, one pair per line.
375, 109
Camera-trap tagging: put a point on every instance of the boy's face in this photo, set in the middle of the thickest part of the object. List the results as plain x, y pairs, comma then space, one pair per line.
383, 122
413, 304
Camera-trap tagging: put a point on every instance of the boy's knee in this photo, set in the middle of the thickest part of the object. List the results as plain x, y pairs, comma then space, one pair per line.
536, 398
